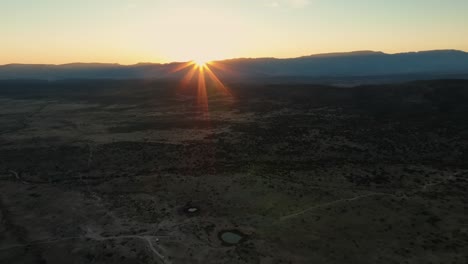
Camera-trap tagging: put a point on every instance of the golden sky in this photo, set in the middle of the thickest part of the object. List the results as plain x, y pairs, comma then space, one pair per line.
128, 32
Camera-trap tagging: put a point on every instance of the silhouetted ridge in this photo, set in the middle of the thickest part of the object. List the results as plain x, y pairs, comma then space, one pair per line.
358, 63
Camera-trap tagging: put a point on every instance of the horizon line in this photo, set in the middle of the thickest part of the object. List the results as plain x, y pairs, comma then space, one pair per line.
237, 58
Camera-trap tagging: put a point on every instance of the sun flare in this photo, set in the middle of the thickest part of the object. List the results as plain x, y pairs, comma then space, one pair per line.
201, 71
200, 62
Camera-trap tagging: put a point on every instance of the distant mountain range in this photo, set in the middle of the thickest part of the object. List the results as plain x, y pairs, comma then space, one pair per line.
333, 65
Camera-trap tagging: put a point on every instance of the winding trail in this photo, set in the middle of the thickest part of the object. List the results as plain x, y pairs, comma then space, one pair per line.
148, 239
16, 175
96, 237
294, 215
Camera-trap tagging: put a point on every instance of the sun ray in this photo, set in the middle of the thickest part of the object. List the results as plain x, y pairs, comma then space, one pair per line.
182, 66
203, 71
202, 97
222, 67
188, 77
218, 83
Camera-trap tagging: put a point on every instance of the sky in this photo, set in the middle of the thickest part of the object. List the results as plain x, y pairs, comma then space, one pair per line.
132, 31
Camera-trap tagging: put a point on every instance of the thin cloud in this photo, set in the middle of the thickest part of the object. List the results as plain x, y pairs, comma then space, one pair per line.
288, 3
274, 4
298, 3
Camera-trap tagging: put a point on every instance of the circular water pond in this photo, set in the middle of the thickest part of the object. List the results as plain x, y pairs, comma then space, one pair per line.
231, 237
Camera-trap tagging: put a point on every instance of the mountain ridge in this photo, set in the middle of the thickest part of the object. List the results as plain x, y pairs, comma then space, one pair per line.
326, 54
340, 64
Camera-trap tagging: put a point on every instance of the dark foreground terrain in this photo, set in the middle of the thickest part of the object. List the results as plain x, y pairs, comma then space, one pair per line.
137, 172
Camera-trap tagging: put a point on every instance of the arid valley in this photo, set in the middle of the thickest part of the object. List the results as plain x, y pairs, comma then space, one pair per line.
139, 172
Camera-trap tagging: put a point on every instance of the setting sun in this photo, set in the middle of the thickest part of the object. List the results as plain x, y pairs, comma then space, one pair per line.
201, 71
200, 62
